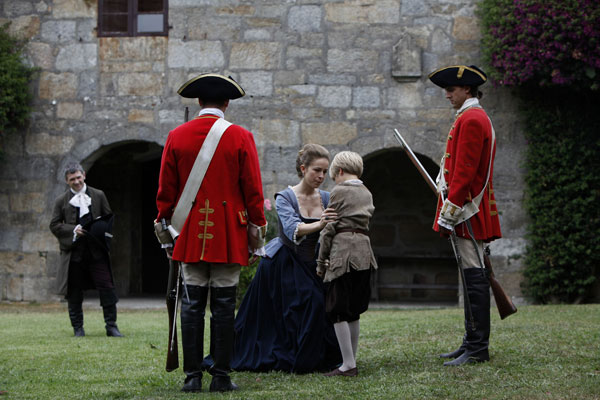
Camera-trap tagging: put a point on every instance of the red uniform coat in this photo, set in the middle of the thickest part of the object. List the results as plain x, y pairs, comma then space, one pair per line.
465, 169
230, 195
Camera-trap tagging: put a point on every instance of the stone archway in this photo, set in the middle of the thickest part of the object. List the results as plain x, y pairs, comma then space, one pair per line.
128, 173
415, 263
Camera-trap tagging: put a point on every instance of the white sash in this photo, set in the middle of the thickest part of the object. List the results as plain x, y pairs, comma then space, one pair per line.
205, 155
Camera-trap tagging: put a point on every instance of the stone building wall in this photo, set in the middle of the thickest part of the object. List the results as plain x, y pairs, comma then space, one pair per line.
340, 73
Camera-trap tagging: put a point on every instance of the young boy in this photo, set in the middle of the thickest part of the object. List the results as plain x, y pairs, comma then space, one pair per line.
346, 258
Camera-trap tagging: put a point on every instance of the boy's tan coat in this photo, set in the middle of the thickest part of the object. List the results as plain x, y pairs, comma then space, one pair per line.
341, 251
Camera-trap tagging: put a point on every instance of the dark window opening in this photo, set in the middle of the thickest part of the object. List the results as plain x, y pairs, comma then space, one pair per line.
132, 17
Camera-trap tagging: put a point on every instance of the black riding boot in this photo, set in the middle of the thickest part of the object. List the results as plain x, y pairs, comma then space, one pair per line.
192, 336
74, 302
476, 340
108, 301
222, 307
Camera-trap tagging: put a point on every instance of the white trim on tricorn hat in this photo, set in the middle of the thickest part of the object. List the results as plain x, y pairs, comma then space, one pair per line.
458, 75
212, 86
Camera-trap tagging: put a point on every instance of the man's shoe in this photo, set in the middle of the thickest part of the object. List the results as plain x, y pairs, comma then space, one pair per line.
339, 372
79, 332
192, 385
222, 384
113, 331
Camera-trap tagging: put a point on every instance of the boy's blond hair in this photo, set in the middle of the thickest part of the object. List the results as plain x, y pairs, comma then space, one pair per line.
348, 161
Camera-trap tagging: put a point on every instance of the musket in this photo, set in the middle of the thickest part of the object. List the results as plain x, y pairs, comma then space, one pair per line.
504, 304
172, 306
172, 300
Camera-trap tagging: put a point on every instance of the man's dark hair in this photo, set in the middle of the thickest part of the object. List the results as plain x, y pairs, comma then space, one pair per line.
73, 167
475, 92
213, 101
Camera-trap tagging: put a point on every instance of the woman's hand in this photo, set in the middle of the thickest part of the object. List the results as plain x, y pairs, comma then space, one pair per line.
329, 215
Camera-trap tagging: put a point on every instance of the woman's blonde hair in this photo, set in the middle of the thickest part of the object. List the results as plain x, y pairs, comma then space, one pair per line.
309, 153
348, 161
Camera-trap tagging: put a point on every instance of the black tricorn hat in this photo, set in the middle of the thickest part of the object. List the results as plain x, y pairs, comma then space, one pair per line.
458, 75
99, 231
211, 86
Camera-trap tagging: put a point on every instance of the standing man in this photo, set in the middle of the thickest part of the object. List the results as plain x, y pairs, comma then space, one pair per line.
82, 223
225, 221
466, 202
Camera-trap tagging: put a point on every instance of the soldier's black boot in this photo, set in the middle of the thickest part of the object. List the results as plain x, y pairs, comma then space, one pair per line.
74, 303
222, 307
192, 336
108, 301
457, 352
476, 340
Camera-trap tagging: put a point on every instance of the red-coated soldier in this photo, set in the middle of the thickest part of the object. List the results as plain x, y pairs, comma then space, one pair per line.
466, 196
225, 222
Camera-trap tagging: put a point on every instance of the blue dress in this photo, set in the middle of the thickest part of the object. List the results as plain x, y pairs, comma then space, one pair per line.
281, 324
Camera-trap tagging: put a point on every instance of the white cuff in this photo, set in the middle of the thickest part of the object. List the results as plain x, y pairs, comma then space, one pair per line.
75, 234
450, 213
295, 237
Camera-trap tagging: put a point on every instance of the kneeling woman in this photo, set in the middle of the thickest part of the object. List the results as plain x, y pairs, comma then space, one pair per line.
281, 324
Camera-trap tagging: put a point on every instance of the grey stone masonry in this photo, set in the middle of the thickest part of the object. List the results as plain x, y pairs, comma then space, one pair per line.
340, 73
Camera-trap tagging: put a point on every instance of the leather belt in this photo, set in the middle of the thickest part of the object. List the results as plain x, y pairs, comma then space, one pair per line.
361, 231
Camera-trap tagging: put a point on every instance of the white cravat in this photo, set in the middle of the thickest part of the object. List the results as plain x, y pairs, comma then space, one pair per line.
81, 200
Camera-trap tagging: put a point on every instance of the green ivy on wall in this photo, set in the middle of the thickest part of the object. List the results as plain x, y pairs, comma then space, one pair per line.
15, 77
549, 52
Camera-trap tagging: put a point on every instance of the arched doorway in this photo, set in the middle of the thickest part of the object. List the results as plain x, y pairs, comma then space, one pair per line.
128, 173
415, 263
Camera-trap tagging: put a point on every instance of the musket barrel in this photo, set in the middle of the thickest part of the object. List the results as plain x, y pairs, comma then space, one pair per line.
413, 158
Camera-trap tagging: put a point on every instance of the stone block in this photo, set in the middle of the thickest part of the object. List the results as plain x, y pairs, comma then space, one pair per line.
77, 57
15, 8
366, 97
40, 54
363, 12
18, 263
27, 202
139, 84
257, 35
141, 116
145, 48
305, 18
224, 29
195, 54
466, 28
25, 27
45, 144
334, 96
303, 52
405, 95
276, 132
328, 133
242, 9
57, 31
258, 83
39, 241
254, 23
441, 43
352, 60
255, 55
68, 110
57, 86
414, 7
73, 9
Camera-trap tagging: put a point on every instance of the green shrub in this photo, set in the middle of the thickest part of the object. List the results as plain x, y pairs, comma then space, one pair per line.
247, 273
15, 76
563, 194
549, 52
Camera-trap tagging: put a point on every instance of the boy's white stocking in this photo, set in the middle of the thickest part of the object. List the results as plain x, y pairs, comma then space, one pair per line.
342, 332
354, 327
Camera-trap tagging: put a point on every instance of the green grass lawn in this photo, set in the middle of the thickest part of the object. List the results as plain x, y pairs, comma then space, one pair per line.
542, 352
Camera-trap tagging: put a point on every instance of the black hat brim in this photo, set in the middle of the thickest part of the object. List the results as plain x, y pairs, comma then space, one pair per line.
458, 75
211, 86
